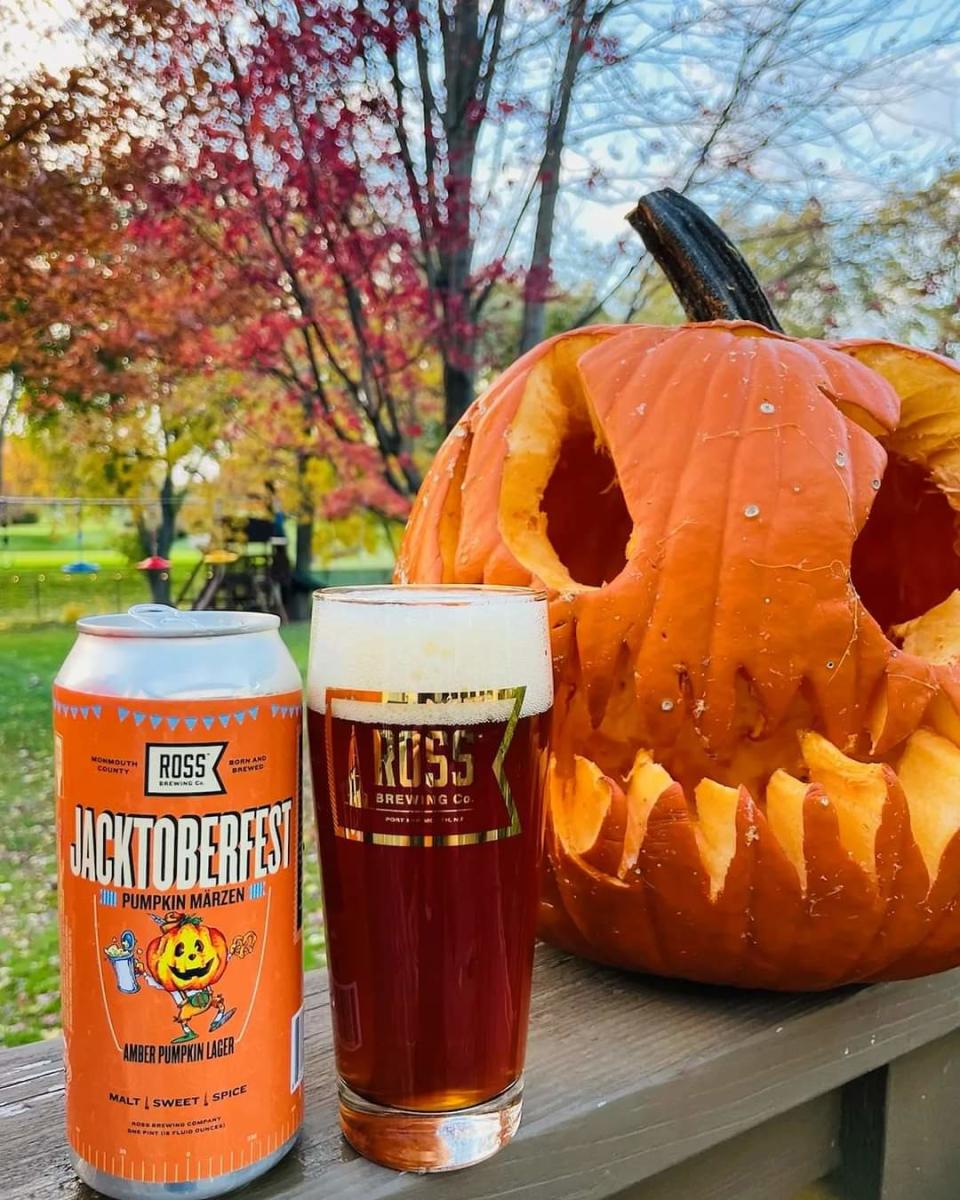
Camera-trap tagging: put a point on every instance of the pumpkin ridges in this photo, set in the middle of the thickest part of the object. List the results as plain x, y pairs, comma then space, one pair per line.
842, 908
901, 878
658, 683
573, 877
940, 949
902, 698
555, 924
929, 774
759, 936
858, 793
678, 887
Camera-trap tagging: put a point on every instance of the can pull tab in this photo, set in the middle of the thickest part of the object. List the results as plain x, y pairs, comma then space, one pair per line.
161, 616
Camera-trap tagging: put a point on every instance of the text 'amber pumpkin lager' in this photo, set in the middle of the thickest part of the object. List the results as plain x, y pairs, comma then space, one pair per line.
177, 750
425, 712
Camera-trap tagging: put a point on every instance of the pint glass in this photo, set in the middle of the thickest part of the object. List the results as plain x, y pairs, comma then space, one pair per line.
425, 717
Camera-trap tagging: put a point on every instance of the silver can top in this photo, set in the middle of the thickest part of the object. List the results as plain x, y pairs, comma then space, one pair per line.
163, 621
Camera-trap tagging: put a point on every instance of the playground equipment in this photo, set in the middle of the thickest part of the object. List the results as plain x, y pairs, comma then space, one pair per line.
155, 562
250, 572
80, 566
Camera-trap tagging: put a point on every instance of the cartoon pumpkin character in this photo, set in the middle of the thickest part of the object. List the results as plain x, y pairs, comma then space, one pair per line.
186, 960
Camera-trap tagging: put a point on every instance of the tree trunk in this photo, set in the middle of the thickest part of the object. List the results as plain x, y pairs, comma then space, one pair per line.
537, 282
459, 378
463, 50
298, 602
160, 540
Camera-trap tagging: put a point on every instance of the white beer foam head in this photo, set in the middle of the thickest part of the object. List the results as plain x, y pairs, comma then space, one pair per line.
430, 640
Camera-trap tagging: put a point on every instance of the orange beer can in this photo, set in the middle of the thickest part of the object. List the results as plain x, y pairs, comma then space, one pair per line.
177, 742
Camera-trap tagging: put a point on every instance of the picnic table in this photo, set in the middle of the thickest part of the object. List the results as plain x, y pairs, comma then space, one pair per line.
636, 1088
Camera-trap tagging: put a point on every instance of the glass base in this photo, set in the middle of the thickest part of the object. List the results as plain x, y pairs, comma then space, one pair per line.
430, 1141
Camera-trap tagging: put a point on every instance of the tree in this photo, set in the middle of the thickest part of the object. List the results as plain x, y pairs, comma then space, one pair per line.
332, 198
814, 104
147, 451
902, 264
263, 189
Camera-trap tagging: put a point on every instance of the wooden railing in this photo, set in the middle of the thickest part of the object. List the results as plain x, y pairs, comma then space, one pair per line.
636, 1088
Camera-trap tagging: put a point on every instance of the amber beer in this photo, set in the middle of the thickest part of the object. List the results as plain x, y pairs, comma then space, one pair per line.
425, 716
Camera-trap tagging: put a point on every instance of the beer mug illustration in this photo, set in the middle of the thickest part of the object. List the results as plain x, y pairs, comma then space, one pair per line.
120, 956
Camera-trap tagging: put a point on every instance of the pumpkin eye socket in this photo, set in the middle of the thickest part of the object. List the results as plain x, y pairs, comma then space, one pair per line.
904, 560
588, 524
178, 950
198, 946
562, 511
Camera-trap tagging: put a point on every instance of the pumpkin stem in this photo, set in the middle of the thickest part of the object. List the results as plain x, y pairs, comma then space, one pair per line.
706, 271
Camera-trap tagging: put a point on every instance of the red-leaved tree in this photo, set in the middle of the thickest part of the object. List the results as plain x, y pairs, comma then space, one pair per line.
268, 187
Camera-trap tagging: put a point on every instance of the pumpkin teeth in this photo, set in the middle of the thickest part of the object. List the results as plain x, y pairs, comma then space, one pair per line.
716, 830
929, 773
935, 635
646, 784
785, 799
858, 792
580, 802
943, 716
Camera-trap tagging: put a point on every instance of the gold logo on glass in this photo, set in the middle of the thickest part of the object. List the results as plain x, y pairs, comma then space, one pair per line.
411, 767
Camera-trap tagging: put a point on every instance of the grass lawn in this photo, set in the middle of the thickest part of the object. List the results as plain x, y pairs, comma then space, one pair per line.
34, 589
29, 981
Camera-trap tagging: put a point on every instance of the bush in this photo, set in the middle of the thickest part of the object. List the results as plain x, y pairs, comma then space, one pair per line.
27, 516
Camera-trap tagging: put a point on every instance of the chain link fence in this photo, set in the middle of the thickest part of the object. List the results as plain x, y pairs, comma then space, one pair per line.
34, 596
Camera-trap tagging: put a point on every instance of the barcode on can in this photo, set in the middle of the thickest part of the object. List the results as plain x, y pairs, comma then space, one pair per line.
296, 1049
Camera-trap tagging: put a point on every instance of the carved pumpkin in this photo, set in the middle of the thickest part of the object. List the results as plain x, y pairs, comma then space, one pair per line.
188, 955
749, 545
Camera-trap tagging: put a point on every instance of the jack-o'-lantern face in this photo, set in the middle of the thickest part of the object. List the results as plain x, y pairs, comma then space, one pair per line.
750, 545
187, 955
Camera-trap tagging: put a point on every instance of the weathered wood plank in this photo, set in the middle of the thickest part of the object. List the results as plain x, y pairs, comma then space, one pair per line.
626, 1077
771, 1162
921, 1143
